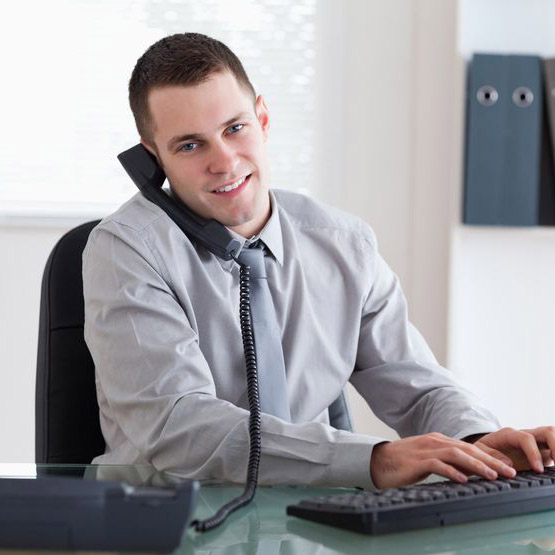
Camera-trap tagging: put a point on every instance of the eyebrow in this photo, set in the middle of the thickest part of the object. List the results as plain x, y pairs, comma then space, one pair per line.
196, 136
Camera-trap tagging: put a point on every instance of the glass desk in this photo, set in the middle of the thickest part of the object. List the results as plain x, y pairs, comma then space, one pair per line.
263, 528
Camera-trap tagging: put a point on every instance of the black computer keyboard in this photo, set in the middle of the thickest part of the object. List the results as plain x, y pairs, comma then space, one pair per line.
432, 504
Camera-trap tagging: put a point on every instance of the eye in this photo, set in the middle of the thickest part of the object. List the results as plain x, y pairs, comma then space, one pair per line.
240, 125
184, 148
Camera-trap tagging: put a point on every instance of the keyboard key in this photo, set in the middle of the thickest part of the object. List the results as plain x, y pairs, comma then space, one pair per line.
503, 485
514, 483
476, 487
543, 480
490, 487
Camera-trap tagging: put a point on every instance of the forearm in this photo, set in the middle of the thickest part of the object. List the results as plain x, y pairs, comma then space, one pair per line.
397, 374
418, 398
204, 437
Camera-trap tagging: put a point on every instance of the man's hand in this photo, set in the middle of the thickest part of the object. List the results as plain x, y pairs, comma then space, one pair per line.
526, 448
412, 459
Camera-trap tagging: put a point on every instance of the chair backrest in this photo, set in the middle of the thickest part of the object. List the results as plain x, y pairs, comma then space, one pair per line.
67, 425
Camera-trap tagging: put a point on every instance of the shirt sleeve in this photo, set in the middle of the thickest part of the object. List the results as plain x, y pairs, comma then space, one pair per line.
157, 396
397, 373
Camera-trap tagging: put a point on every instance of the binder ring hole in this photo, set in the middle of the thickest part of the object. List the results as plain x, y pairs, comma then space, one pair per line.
487, 95
523, 97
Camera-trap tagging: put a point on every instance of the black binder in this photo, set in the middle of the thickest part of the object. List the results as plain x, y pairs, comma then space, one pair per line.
549, 73
504, 140
547, 195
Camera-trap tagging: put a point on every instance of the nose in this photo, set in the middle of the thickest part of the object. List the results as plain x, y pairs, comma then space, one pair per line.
223, 158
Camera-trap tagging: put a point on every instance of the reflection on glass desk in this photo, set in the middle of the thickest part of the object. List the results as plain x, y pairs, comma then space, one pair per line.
263, 527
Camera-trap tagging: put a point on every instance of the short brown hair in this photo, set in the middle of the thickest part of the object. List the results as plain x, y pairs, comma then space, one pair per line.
182, 59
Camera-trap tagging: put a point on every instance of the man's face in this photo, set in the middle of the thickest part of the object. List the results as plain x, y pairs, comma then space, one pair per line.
227, 146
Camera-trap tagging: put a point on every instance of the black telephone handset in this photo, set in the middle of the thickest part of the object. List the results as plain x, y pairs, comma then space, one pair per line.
149, 177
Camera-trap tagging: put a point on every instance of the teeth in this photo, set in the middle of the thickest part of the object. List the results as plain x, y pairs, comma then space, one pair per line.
231, 187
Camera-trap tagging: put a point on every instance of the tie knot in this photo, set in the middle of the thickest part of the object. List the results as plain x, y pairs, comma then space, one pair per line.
258, 244
253, 256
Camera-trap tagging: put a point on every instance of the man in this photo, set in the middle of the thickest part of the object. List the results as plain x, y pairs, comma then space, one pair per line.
162, 319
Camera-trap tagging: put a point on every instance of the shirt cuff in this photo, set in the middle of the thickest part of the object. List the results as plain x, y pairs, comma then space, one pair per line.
475, 430
350, 463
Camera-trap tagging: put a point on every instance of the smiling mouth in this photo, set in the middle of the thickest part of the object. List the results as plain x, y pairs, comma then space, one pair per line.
239, 184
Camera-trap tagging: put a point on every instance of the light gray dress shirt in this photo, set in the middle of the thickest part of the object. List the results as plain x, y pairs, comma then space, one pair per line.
162, 325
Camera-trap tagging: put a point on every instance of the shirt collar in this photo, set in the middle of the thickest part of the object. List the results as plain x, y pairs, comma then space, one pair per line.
270, 234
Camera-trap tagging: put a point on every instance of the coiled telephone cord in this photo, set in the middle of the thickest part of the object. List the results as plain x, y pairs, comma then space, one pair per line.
254, 408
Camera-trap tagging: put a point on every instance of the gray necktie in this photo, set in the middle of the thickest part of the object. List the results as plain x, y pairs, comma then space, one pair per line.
272, 387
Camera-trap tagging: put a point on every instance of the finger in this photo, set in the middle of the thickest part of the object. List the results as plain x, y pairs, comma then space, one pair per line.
496, 463
528, 443
470, 464
480, 451
494, 453
435, 466
546, 457
545, 435
476, 453
475, 448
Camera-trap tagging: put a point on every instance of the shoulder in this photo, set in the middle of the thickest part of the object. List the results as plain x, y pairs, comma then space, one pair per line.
138, 227
136, 214
311, 215
137, 218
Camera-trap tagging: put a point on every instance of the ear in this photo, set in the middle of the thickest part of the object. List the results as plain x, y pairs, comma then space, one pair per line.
150, 148
263, 115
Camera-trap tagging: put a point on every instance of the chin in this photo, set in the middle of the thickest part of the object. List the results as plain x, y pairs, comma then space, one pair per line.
238, 223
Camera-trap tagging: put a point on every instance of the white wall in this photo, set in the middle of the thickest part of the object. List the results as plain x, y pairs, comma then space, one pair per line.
502, 296
395, 158
503, 309
24, 249
510, 26
365, 130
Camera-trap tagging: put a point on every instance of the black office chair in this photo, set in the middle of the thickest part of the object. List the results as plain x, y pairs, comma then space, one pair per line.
67, 426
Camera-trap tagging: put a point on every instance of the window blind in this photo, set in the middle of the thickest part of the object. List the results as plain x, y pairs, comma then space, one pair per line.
64, 109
